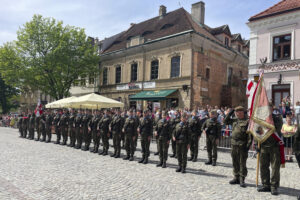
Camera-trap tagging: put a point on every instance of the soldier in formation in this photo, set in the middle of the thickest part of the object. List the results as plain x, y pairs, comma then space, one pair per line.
49, 122
104, 131
95, 132
174, 122
145, 129
116, 125
163, 133
212, 129
55, 123
31, 126
240, 144
63, 125
195, 133
130, 131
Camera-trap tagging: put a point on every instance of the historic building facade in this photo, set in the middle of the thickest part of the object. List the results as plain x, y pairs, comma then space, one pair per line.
175, 60
275, 35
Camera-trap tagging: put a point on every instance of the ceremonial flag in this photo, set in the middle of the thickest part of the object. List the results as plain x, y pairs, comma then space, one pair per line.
250, 86
39, 109
261, 124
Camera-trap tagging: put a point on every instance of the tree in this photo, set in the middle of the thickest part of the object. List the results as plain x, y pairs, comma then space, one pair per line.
7, 93
48, 56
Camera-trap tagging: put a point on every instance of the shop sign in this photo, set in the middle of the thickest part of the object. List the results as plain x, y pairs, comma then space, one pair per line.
136, 86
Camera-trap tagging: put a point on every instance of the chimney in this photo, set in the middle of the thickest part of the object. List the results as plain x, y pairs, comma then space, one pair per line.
162, 11
198, 12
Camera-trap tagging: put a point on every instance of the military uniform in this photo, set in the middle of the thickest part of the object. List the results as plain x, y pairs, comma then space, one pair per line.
156, 137
130, 130
42, 124
25, 126
116, 125
37, 127
63, 124
270, 154
78, 125
195, 133
174, 122
164, 134
49, 120
182, 138
20, 122
104, 131
95, 133
240, 144
71, 129
56, 120
86, 133
296, 145
31, 126
213, 132
146, 131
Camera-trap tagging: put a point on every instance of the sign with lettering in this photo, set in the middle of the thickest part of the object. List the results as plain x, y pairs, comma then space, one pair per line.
136, 86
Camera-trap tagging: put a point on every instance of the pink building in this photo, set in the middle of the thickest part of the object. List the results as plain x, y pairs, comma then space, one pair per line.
275, 35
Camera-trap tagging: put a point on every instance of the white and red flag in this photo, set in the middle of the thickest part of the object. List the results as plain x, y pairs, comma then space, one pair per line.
261, 124
39, 109
250, 88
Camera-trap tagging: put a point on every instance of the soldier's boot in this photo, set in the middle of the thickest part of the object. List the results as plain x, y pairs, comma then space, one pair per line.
264, 189
105, 152
127, 157
173, 155
191, 158
164, 165
159, 164
156, 153
131, 158
274, 191
64, 142
114, 154
183, 169
209, 162
179, 169
235, 180
195, 158
142, 160
214, 163
242, 182
146, 160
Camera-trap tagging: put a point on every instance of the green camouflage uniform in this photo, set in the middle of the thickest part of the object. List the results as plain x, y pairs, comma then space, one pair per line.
78, 130
63, 124
146, 131
182, 137
195, 133
71, 129
37, 127
42, 124
213, 132
25, 126
240, 144
116, 125
49, 120
95, 133
104, 131
270, 154
174, 122
130, 130
31, 126
56, 127
20, 122
163, 128
86, 133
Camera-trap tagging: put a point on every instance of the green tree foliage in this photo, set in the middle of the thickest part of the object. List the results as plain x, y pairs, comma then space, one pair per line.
7, 96
48, 56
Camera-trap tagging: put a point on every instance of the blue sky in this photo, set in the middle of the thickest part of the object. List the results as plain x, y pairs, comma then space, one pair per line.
103, 18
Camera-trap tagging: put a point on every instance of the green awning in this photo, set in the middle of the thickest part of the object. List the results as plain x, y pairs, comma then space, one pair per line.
152, 95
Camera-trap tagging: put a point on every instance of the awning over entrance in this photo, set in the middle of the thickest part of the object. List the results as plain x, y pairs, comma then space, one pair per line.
152, 95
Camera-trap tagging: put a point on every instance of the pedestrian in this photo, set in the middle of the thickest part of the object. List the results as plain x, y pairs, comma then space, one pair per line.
288, 131
296, 145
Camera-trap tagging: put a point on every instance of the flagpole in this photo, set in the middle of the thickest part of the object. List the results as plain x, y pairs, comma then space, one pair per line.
257, 168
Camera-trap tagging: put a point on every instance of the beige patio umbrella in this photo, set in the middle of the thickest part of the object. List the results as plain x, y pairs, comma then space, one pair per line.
62, 103
94, 101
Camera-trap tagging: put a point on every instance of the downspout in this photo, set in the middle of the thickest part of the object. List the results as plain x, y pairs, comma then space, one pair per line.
192, 72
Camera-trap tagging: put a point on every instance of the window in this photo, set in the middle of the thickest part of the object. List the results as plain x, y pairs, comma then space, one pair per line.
207, 73
229, 75
175, 66
282, 47
154, 69
226, 41
134, 67
118, 74
239, 48
104, 76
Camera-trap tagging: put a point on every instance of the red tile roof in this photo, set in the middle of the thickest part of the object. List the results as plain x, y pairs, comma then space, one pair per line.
173, 22
281, 7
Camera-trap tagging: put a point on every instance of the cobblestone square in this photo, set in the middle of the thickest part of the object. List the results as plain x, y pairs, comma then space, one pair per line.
38, 170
